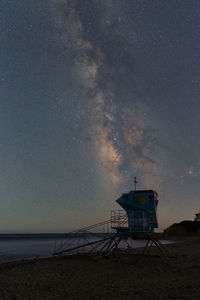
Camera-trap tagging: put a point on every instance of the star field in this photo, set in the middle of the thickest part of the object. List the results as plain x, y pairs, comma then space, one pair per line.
94, 93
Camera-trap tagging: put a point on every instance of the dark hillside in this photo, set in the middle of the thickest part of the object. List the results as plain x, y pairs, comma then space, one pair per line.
184, 228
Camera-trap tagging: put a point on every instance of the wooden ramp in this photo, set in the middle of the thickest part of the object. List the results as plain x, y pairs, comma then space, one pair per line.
99, 238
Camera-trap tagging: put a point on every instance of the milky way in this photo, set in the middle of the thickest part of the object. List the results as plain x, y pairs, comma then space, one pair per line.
120, 136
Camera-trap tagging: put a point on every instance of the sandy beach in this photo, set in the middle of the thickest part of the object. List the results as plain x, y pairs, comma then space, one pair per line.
128, 275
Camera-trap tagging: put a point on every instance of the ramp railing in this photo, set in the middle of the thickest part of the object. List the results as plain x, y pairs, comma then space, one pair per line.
118, 218
88, 236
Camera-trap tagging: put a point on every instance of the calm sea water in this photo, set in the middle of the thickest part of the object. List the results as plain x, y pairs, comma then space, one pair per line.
16, 247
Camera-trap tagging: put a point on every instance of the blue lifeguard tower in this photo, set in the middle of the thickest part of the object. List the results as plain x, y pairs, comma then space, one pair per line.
197, 217
138, 218
140, 207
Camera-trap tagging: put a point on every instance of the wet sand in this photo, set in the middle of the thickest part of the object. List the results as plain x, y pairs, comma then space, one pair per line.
128, 275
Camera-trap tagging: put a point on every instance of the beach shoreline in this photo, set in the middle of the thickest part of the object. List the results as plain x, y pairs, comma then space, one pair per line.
127, 275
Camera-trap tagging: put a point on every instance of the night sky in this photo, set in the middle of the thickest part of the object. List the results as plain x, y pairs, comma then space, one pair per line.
93, 93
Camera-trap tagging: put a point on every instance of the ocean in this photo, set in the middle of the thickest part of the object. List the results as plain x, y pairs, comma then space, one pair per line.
26, 246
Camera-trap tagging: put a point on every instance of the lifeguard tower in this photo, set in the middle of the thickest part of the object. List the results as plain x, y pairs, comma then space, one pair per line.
140, 208
197, 217
139, 215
